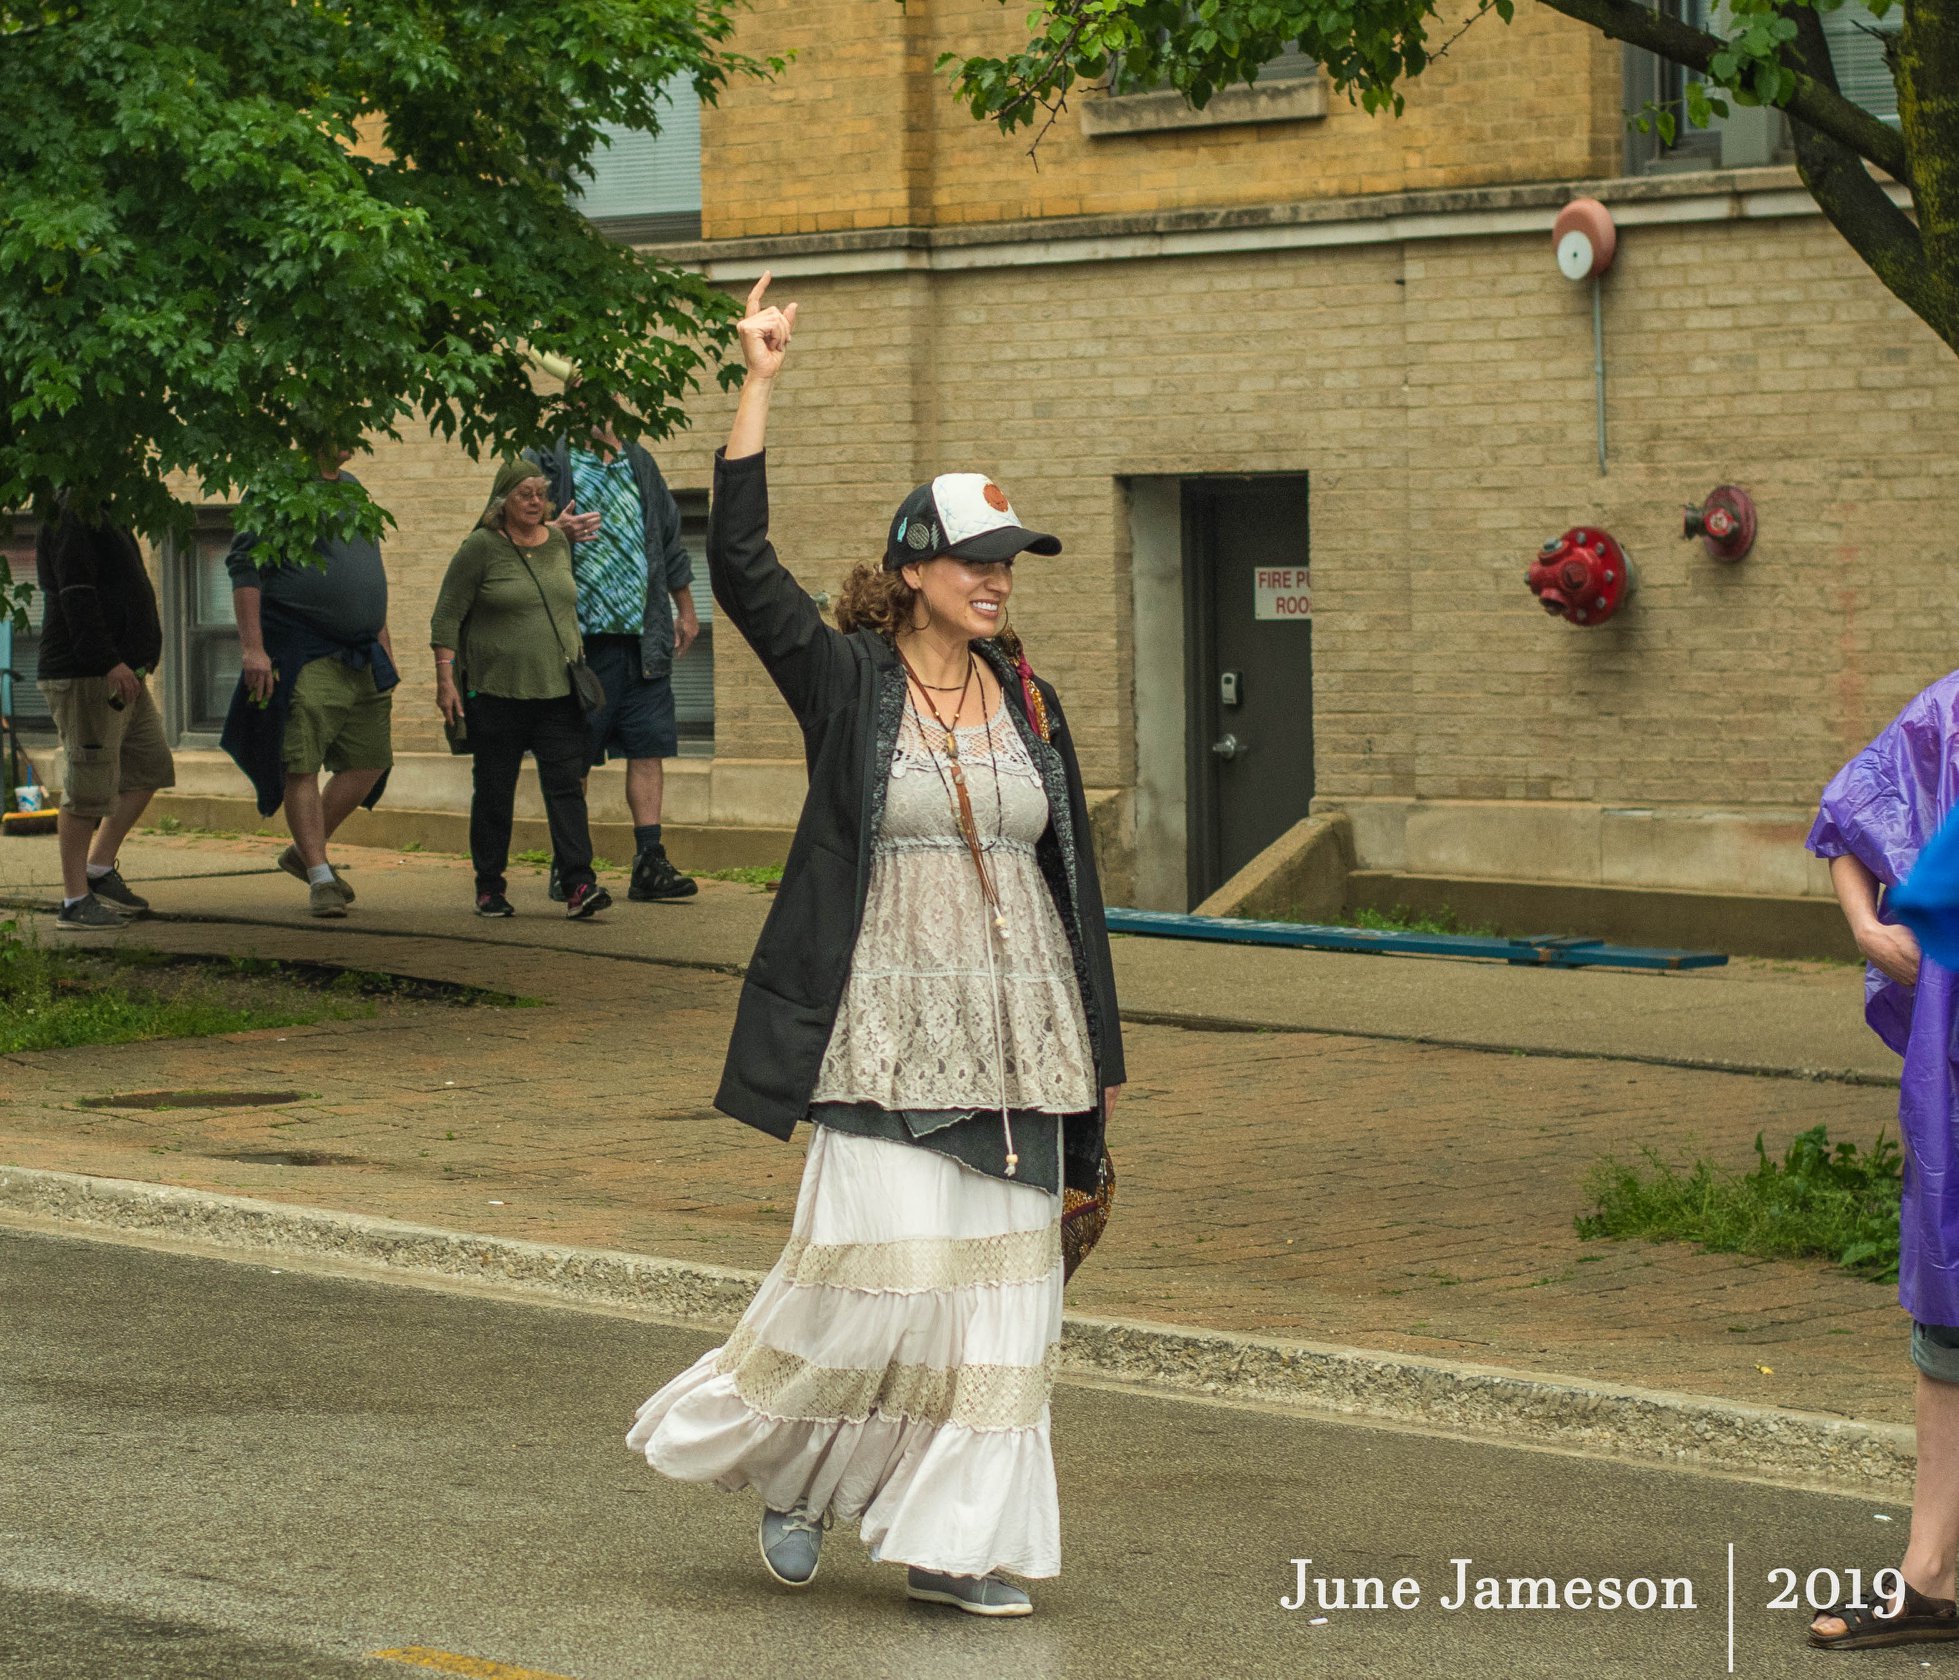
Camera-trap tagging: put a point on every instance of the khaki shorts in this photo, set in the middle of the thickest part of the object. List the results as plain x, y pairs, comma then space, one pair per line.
337, 721
108, 752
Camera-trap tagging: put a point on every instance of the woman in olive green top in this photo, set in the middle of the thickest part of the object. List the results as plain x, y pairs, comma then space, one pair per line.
505, 626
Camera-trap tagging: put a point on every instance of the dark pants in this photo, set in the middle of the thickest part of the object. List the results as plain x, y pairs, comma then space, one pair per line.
554, 733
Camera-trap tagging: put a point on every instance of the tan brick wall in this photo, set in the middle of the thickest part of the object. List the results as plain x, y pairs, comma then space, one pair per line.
1439, 396
858, 132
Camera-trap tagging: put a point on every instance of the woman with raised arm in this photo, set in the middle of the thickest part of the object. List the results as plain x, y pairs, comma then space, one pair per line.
933, 991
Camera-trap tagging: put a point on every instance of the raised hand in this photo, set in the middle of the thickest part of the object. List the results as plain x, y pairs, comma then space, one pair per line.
765, 332
577, 527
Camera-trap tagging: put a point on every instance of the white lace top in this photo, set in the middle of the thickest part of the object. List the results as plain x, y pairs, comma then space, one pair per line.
917, 1026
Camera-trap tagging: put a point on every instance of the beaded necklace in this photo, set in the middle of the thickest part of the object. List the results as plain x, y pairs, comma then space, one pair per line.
962, 815
956, 794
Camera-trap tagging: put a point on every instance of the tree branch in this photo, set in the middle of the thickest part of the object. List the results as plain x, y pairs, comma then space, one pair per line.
1926, 67
1858, 206
1815, 102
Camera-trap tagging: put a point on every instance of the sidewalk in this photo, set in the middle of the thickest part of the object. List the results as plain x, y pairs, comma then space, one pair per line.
1325, 1178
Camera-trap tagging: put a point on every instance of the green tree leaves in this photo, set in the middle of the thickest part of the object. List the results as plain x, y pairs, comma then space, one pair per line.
232, 237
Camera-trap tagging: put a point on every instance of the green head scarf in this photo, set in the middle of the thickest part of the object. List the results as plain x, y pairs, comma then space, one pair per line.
509, 475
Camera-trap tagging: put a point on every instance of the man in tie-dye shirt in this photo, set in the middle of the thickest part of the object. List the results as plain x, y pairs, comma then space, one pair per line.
636, 614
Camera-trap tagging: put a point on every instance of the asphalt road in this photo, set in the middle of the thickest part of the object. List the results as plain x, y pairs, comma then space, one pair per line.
214, 1470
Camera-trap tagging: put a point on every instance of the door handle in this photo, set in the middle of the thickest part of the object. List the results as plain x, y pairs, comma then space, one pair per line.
1229, 747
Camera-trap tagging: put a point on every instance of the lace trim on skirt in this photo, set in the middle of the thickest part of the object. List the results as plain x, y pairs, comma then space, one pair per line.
787, 1388
921, 1264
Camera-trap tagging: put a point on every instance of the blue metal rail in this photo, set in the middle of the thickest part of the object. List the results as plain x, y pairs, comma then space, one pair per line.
1543, 950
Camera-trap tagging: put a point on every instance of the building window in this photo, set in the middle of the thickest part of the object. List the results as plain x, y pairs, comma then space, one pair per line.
1292, 65
646, 188
693, 677
1749, 136
203, 635
1857, 40
1290, 88
20, 655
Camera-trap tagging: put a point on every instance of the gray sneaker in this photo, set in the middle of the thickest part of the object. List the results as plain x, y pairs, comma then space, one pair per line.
114, 891
87, 914
324, 898
790, 1542
291, 862
977, 1595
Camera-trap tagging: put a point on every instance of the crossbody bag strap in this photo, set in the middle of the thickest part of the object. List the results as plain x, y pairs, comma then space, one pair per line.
543, 600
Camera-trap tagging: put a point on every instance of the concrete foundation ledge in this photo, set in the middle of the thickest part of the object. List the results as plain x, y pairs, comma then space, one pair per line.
1478, 1401
1741, 924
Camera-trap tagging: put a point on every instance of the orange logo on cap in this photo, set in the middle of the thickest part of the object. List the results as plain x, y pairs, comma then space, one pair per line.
996, 498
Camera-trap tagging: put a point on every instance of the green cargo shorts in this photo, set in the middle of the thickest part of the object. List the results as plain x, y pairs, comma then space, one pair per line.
337, 721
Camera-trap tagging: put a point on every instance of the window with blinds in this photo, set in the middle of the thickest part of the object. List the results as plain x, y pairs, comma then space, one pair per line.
647, 187
1857, 55
1750, 135
20, 655
693, 677
198, 619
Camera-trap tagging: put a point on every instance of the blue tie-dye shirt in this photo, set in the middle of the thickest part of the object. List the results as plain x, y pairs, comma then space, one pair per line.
611, 566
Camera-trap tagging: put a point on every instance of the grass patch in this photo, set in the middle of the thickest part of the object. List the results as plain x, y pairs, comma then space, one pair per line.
59, 999
1820, 1201
56, 1000
756, 875
1400, 918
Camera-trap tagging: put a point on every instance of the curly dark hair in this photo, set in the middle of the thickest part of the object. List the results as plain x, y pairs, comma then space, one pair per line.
874, 599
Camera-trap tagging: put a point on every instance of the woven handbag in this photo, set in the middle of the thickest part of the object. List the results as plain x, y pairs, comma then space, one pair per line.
1085, 1216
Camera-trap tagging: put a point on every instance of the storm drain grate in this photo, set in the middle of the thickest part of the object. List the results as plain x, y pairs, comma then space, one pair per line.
193, 1099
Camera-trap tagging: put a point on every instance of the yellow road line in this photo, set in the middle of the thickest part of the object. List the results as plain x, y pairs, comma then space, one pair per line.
449, 1662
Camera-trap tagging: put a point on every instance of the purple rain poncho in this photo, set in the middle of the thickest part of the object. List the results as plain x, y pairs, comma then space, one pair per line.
1881, 808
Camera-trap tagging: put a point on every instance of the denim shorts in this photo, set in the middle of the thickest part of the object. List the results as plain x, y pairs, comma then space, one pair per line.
638, 719
1935, 1350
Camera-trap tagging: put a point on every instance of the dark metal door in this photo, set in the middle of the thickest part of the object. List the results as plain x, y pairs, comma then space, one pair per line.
1250, 648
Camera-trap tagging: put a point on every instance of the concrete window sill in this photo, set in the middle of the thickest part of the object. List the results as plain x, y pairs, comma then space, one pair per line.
1108, 115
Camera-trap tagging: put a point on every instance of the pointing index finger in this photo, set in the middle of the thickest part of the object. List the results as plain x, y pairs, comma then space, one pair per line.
755, 296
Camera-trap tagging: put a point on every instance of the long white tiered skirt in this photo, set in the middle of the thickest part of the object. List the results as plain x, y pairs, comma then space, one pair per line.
894, 1367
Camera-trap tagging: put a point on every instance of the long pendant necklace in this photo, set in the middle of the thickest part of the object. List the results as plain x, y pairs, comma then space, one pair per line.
962, 812
961, 801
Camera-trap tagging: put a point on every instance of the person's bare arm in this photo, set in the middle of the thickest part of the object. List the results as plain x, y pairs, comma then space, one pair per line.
1891, 949
255, 664
448, 697
686, 620
765, 332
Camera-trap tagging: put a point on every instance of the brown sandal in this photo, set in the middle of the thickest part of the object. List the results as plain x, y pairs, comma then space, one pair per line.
1918, 1619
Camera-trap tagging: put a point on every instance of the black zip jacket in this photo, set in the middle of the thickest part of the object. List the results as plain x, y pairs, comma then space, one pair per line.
100, 610
848, 694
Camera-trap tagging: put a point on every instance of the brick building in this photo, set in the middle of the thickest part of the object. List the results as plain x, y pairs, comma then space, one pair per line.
1279, 334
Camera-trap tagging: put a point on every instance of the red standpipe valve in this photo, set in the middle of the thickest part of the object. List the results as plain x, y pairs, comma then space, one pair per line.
1725, 523
1583, 576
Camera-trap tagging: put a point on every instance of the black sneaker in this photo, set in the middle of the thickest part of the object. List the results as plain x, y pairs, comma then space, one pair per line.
654, 877
494, 904
586, 902
87, 914
556, 890
114, 891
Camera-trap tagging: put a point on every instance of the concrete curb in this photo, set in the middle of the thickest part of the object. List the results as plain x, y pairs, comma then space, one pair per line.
1487, 1402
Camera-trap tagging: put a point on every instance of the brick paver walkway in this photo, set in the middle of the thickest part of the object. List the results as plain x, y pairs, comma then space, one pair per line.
1304, 1185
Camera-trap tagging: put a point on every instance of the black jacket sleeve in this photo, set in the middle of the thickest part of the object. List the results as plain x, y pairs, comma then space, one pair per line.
810, 662
1088, 887
72, 559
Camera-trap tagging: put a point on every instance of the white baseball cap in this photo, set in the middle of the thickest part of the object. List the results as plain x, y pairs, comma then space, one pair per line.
965, 515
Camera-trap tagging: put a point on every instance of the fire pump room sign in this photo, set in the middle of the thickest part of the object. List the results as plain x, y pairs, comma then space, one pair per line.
1282, 592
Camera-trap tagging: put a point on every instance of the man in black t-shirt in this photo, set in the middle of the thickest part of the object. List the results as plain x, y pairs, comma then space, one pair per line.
100, 638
